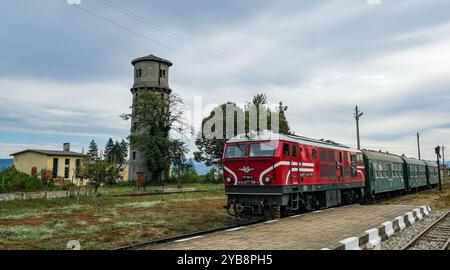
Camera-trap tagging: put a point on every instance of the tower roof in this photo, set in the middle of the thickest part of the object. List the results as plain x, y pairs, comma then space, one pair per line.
151, 57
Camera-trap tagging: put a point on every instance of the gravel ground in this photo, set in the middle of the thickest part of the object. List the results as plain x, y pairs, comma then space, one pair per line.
400, 239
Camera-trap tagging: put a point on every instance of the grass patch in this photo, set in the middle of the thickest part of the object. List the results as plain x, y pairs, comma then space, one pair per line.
22, 214
112, 221
124, 224
21, 233
141, 204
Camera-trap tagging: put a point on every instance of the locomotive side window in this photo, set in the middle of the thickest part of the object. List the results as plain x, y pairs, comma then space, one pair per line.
323, 155
314, 153
331, 156
237, 150
294, 151
286, 149
262, 149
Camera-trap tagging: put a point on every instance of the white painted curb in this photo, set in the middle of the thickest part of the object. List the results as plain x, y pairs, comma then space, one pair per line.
429, 209
351, 243
388, 228
401, 222
374, 239
425, 210
418, 214
411, 218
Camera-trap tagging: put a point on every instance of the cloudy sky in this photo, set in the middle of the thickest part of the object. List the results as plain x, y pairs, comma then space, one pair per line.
65, 70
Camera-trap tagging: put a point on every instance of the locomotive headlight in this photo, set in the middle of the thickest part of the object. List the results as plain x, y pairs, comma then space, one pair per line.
228, 179
267, 179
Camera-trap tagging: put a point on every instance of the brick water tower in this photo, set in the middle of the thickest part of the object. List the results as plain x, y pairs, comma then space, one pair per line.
151, 73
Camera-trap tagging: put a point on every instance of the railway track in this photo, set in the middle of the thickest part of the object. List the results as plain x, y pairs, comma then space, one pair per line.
187, 236
435, 237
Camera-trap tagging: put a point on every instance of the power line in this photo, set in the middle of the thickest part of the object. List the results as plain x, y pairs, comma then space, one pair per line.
198, 48
124, 28
159, 43
192, 45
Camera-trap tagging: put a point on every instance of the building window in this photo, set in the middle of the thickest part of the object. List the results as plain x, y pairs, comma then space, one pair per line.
77, 168
134, 155
55, 168
138, 73
162, 73
66, 168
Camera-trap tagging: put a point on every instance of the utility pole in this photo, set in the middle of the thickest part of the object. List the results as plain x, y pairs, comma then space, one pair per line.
418, 144
358, 114
438, 155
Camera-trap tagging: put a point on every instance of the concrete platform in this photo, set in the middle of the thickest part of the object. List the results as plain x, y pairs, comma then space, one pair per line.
312, 231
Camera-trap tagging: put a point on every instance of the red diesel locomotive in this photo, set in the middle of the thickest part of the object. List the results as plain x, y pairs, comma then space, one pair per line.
276, 175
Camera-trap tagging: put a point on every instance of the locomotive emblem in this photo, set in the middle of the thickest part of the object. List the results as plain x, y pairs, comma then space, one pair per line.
246, 169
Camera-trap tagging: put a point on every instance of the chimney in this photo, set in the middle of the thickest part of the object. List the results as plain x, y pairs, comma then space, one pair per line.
66, 147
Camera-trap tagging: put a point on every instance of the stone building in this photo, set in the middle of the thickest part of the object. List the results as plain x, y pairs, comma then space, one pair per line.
151, 73
63, 164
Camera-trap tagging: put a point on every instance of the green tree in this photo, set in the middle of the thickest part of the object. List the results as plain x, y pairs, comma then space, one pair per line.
210, 149
155, 117
177, 157
92, 153
284, 124
99, 172
123, 151
109, 150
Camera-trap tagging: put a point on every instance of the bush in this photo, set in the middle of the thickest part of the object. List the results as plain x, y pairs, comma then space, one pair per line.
193, 177
12, 180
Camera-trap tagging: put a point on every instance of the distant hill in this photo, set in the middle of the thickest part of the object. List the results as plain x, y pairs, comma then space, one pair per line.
6, 163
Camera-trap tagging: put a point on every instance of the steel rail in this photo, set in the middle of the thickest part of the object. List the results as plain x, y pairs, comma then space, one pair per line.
424, 232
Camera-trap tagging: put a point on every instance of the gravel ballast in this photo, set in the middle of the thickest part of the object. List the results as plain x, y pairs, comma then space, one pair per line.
401, 238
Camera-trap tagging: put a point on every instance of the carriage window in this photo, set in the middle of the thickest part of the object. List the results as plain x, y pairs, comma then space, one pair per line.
262, 149
286, 149
237, 150
314, 153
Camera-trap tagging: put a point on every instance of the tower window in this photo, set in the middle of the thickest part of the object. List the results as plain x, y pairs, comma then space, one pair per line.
162, 73
138, 73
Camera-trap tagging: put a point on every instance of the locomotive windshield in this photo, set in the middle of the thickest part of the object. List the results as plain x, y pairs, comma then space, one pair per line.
236, 150
262, 149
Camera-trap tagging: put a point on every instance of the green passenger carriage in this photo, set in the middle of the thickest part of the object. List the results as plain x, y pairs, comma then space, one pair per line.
416, 173
384, 173
432, 173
